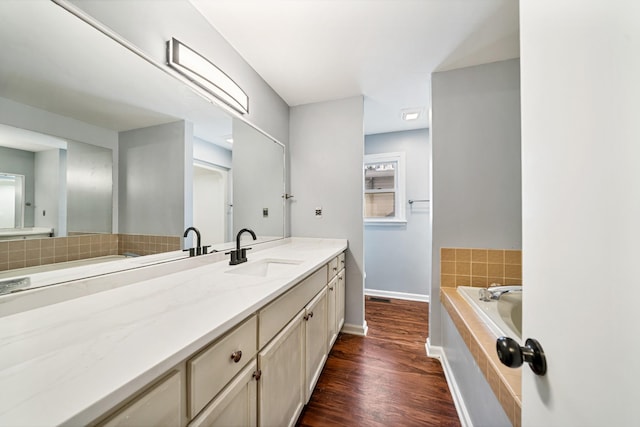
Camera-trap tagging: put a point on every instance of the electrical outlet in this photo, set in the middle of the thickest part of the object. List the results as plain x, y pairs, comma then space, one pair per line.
265, 212
319, 212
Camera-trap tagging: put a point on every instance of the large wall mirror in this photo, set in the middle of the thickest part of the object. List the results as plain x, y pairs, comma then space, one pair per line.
95, 140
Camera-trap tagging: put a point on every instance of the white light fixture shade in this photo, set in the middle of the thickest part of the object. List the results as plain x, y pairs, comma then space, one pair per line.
202, 72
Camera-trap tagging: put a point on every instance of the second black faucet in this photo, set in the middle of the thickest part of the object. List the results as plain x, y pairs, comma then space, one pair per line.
239, 255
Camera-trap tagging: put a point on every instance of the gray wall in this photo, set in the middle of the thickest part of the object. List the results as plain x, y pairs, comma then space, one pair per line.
34, 119
149, 25
155, 174
387, 270
89, 188
258, 182
476, 167
51, 190
326, 149
21, 162
211, 153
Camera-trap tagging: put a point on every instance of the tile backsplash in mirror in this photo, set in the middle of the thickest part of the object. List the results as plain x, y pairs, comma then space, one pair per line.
33, 252
480, 267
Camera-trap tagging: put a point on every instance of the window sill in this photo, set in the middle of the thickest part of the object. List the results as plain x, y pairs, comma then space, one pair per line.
387, 222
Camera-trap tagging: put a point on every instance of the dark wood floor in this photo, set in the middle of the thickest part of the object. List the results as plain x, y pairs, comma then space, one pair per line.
385, 378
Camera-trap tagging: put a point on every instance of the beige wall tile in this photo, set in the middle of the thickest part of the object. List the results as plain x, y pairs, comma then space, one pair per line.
32, 244
513, 257
495, 256
17, 264
495, 270
4, 247
448, 280
463, 268
463, 280
32, 254
446, 254
17, 245
448, 267
479, 269
513, 271
463, 255
479, 255
478, 281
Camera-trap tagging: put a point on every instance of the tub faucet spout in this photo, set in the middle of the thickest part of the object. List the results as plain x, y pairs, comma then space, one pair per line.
494, 292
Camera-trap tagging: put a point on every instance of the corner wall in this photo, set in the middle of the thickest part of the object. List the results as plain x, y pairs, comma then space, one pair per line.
326, 150
411, 242
155, 170
476, 165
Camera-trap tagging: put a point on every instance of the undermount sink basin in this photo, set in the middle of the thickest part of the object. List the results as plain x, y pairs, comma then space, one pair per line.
265, 267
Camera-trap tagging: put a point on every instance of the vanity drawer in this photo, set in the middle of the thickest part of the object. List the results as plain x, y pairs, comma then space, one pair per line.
215, 366
276, 315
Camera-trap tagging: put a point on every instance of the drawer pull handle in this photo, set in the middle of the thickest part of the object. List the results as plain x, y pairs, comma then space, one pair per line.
335, 268
236, 356
342, 262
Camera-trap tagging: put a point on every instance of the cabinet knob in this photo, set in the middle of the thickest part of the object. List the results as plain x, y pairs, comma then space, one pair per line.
236, 356
330, 288
308, 316
257, 374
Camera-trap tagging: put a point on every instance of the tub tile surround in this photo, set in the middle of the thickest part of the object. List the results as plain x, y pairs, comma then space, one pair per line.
34, 252
479, 267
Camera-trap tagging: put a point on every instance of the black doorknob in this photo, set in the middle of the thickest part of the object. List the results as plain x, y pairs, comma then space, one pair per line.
512, 355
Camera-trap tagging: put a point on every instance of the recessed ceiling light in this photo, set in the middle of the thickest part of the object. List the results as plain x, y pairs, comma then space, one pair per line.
410, 114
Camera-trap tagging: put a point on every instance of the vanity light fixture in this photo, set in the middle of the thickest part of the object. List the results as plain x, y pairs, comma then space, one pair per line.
205, 74
408, 115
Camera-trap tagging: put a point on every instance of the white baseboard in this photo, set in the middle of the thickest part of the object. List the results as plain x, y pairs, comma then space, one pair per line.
360, 330
437, 352
396, 295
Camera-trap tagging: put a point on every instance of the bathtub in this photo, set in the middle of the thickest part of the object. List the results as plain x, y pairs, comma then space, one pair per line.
502, 316
25, 233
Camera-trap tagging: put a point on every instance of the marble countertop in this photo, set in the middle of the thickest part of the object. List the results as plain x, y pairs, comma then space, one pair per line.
71, 361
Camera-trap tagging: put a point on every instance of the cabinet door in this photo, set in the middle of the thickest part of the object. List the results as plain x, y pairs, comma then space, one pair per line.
316, 320
340, 295
159, 406
332, 324
236, 405
281, 385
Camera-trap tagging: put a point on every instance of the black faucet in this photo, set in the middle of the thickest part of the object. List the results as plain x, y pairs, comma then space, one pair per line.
198, 250
239, 255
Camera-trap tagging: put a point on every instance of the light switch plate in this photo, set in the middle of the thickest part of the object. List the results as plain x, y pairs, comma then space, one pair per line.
318, 212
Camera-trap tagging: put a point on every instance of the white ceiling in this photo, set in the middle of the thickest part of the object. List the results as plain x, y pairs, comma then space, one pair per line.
317, 50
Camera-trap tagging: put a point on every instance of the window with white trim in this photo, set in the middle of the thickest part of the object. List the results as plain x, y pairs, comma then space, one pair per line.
384, 188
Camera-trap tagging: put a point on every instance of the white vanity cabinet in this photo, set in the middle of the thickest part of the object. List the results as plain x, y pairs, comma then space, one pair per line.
260, 373
282, 375
332, 325
211, 369
236, 406
316, 320
340, 299
335, 299
161, 405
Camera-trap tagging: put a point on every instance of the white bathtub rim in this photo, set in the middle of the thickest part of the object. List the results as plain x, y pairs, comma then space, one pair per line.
488, 312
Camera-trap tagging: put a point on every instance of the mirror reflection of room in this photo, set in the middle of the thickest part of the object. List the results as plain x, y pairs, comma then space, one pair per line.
113, 168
